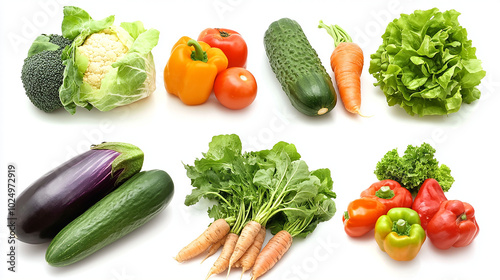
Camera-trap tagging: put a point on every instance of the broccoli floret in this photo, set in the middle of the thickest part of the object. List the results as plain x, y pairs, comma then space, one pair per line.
42, 75
59, 40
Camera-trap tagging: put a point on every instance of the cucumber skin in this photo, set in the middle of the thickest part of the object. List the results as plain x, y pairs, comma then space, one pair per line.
127, 208
298, 68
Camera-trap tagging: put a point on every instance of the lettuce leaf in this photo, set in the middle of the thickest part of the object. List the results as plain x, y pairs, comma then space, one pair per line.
426, 64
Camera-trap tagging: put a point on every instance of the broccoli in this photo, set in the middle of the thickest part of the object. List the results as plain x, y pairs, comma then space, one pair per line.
42, 72
59, 40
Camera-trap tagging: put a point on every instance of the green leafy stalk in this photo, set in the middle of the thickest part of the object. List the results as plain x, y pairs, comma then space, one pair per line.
292, 187
223, 175
270, 186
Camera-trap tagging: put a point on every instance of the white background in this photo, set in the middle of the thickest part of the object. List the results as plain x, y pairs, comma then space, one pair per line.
170, 133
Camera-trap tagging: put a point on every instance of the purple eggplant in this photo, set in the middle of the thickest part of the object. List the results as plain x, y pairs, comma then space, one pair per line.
64, 193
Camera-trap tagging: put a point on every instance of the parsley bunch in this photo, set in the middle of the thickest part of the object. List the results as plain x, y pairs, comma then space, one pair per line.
413, 168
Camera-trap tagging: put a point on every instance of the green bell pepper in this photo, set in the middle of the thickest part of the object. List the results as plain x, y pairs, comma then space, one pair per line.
400, 234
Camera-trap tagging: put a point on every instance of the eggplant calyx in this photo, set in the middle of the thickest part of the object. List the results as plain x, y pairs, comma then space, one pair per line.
127, 164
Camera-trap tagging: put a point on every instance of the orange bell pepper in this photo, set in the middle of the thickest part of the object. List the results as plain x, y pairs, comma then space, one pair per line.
191, 70
361, 216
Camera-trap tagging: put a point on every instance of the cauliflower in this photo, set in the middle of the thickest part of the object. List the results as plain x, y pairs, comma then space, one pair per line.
101, 49
107, 65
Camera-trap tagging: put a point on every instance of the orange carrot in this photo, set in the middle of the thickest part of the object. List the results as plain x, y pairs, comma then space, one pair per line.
248, 259
215, 232
214, 248
237, 264
272, 253
222, 262
347, 63
246, 239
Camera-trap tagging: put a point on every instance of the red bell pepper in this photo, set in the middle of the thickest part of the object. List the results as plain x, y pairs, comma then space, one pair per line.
454, 225
428, 200
390, 193
361, 216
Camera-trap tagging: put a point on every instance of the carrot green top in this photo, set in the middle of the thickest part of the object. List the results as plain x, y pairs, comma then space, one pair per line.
339, 35
272, 187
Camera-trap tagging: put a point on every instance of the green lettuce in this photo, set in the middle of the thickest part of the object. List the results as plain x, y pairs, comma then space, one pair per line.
413, 168
131, 78
426, 64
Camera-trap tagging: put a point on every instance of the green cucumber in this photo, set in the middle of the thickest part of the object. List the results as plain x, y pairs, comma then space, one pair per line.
125, 209
298, 68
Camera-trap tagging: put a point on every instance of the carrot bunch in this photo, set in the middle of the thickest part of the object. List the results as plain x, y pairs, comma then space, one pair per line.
347, 64
254, 190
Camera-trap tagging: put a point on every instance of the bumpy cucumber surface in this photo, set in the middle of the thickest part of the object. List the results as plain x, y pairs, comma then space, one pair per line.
125, 209
298, 68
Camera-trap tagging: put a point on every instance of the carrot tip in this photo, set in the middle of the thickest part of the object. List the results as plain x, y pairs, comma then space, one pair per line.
356, 111
364, 116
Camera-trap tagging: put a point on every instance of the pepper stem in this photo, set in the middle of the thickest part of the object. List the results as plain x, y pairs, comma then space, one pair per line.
198, 54
346, 215
385, 192
401, 226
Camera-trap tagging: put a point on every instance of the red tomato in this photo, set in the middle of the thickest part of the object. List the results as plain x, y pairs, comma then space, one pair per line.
230, 42
235, 88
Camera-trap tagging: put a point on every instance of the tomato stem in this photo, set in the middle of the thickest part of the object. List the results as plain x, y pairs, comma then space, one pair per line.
223, 34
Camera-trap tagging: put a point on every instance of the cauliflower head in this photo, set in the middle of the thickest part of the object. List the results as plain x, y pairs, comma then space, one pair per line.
106, 65
101, 50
